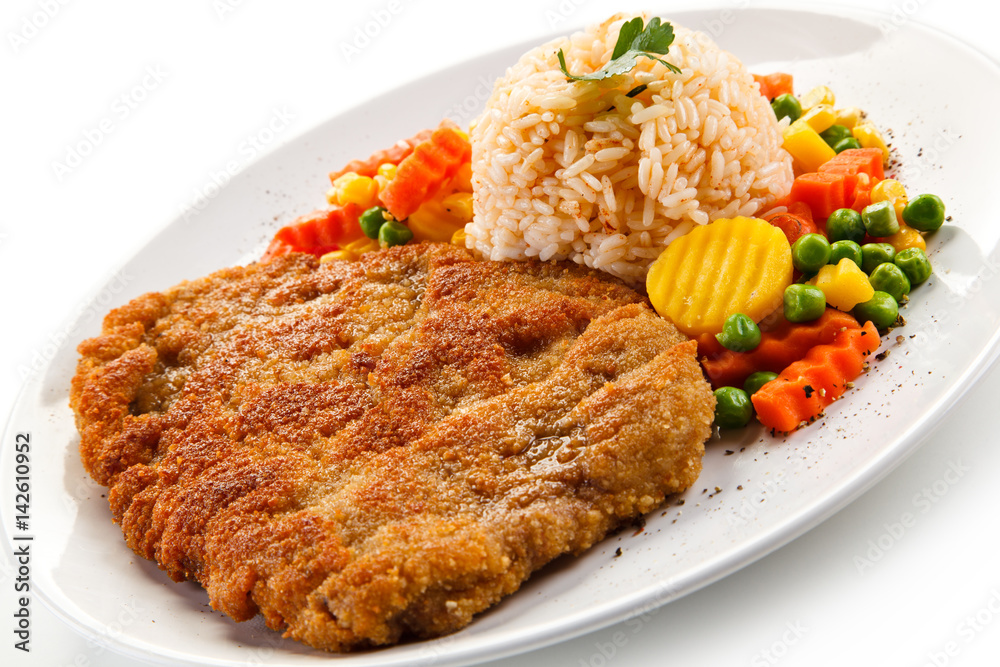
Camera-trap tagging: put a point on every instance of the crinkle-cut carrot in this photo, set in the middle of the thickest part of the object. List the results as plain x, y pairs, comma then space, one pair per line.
317, 233
392, 155
423, 172
785, 344
806, 387
824, 192
857, 161
856, 165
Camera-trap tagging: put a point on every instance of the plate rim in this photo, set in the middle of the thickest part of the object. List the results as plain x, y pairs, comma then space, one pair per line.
764, 543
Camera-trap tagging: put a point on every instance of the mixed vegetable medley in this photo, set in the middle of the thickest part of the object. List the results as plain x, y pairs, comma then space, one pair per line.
418, 190
786, 307
855, 242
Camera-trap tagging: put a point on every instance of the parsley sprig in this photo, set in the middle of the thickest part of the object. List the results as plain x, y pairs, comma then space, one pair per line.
633, 41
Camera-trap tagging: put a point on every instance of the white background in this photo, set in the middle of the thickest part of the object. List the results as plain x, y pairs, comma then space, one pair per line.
214, 73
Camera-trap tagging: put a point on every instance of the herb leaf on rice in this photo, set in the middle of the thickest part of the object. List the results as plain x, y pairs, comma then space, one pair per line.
634, 41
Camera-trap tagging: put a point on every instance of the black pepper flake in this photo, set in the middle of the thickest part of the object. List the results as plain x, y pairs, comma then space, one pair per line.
882, 355
618, 552
809, 390
739, 488
729, 452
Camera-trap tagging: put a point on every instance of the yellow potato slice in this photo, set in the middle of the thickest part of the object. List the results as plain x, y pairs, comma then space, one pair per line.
733, 265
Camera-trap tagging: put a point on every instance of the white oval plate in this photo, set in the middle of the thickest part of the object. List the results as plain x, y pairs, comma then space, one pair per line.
755, 494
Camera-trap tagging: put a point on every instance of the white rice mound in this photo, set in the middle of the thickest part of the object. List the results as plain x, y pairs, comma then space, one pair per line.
579, 171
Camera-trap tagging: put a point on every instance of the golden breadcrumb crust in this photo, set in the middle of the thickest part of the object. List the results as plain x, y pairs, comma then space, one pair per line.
366, 451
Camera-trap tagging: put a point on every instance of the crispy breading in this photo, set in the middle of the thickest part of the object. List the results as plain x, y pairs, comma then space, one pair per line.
370, 450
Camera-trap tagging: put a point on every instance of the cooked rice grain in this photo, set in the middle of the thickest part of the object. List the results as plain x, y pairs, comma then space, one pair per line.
580, 171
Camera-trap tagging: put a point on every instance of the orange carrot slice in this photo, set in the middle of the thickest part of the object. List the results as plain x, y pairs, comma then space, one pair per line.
796, 222
432, 163
862, 192
774, 85
824, 192
317, 233
392, 155
785, 344
855, 161
805, 388
859, 166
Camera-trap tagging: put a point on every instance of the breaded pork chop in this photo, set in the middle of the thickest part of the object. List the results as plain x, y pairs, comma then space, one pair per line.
365, 451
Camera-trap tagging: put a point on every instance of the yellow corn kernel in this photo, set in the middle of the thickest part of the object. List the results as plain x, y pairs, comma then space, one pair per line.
733, 265
462, 133
818, 95
458, 238
888, 189
906, 237
848, 116
332, 197
337, 255
352, 188
892, 191
361, 246
387, 170
844, 284
806, 146
459, 205
432, 222
820, 117
869, 137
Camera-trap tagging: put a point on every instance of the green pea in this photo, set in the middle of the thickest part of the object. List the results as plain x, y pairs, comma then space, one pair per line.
733, 408
924, 213
873, 254
849, 249
810, 253
739, 333
845, 224
914, 263
845, 144
890, 279
757, 380
786, 105
835, 134
803, 303
372, 220
394, 233
880, 219
881, 310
